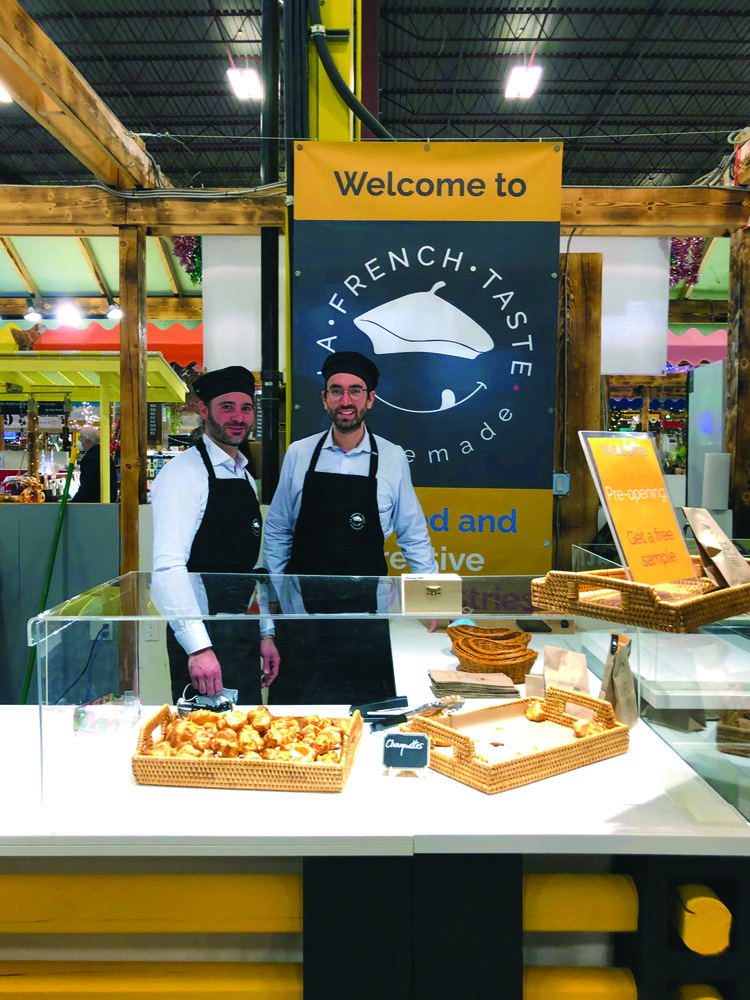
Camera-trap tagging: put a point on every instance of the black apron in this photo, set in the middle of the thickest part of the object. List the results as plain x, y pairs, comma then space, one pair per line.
227, 541
338, 533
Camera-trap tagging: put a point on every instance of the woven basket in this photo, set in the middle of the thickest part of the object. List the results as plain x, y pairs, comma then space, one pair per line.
270, 775
477, 632
461, 763
609, 596
490, 656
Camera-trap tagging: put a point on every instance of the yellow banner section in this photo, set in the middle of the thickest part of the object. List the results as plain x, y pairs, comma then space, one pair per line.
439, 182
484, 532
640, 513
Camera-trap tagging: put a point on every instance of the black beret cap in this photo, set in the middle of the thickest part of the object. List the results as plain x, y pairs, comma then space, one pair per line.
352, 363
235, 378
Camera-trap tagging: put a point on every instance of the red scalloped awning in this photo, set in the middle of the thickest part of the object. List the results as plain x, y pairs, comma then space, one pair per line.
176, 343
695, 348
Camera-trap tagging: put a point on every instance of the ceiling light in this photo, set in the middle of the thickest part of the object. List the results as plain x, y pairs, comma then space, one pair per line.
68, 314
114, 312
32, 314
245, 83
5, 95
522, 81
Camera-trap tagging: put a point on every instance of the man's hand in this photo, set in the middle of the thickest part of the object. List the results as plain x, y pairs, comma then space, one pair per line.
270, 665
205, 671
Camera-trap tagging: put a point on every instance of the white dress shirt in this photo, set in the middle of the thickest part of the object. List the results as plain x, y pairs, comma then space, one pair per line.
398, 505
179, 495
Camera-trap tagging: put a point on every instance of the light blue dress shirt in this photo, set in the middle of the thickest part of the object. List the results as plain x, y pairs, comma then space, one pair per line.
398, 505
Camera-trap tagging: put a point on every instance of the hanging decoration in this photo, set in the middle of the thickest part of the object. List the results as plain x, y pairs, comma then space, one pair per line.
189, 252
685, 256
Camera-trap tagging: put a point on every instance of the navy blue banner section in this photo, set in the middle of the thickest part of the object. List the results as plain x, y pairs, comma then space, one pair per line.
461, 320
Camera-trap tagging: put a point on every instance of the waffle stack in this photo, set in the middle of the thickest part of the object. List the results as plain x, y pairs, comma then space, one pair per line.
488, 651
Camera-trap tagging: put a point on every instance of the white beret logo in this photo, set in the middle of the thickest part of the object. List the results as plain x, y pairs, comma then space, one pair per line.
256, 527
357, 521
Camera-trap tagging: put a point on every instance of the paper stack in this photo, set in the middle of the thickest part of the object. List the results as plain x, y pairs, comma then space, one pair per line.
470, 685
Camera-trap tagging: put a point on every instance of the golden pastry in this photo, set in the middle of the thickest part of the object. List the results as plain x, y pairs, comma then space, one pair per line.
535, 711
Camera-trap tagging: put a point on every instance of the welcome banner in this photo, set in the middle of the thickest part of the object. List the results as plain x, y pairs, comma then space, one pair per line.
440, 262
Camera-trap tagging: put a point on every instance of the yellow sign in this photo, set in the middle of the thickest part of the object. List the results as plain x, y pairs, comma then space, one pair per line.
632, 490
404, 181
484, 532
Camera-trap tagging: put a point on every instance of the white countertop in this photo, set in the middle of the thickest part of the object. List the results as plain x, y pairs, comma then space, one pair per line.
646, 801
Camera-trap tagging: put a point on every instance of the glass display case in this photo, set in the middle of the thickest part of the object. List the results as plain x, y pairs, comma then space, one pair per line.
102, 662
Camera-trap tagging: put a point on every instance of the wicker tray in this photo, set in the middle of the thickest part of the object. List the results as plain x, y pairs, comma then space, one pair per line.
270, 775
610, 596
546, 748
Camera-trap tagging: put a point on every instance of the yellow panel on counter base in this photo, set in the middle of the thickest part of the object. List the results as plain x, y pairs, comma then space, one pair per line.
151, 980
701, 919
560, 983
695, 991
150, 904
584, 903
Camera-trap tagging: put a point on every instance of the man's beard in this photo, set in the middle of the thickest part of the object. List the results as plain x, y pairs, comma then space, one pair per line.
347, 424
217, 432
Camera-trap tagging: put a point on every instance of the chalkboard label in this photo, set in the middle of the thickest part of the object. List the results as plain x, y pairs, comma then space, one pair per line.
406, 750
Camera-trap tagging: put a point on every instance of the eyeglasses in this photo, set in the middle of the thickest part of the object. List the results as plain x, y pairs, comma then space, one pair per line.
355, 392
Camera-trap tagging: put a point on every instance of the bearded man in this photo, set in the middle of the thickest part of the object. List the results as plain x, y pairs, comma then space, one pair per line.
207, 520
340, 495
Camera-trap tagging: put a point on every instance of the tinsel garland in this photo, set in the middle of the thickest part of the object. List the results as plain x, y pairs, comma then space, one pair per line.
189, 251
685, 258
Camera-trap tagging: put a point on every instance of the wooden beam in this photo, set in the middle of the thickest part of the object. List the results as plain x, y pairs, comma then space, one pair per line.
23, 272
82, 211
168, 264
91, 211
669, 211
186, 308
47, 86
696, 311
93, 265
132, 390
578, 404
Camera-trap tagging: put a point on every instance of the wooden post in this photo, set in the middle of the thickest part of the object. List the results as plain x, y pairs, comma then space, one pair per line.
737, 424
578, 405
133, 363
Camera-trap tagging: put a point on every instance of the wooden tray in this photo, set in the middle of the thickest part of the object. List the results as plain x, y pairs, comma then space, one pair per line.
531, 750
269, 775
608, 595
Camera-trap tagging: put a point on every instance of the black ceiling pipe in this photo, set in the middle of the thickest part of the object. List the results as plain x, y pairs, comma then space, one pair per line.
318, 35
270, 376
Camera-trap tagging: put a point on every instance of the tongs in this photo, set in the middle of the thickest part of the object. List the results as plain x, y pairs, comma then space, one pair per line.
440, 706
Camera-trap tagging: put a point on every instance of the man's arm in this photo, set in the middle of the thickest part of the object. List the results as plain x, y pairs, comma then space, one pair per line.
409, 523
178, 499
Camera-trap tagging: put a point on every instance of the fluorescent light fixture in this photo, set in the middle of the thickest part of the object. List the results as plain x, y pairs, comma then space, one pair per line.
114, 312
5, 97
32, 314
245, 83
522, 81
68, 314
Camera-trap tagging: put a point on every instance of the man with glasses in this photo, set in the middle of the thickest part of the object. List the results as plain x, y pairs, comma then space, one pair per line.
340, 494
207, 528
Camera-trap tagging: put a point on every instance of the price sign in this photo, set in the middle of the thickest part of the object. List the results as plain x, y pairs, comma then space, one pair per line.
411, 750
